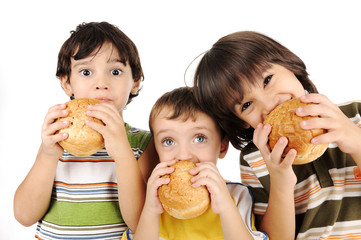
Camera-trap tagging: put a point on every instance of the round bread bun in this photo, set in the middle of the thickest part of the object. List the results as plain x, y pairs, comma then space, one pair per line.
179, 198
286, 123
82, 140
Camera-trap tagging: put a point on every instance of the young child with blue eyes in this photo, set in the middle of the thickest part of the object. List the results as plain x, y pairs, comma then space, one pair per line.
182, 131
98, 196
239, 81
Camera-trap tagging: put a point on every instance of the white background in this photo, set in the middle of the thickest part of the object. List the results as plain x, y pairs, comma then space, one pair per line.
169, 35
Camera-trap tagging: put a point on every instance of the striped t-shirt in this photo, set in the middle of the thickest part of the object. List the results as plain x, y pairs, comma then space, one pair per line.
327, 193
84, 202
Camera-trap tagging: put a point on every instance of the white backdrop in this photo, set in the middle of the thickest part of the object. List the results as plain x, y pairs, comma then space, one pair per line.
326, 34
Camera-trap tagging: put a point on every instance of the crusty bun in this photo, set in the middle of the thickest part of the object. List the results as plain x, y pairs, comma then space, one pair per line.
82, 140
179, 198
285, 122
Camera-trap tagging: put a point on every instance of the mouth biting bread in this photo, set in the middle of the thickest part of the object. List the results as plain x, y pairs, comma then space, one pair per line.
82, 140
286, 123
179, 198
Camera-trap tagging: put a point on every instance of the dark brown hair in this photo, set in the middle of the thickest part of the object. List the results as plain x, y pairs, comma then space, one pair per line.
89, 37
234, 60
182, 103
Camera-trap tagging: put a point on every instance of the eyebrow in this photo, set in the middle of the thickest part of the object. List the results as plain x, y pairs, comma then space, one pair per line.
85, 61
194, 128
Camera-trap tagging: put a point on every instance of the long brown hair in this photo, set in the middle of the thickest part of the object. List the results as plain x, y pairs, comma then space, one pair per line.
234, 60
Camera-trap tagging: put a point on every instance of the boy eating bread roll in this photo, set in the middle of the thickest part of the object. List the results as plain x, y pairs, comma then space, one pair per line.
184, 134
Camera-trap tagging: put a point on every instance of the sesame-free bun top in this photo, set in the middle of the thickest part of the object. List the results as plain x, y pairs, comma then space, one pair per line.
286, 123
179, 198
82, 140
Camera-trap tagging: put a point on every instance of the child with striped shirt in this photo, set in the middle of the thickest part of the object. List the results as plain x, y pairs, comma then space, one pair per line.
240, 80
98, 196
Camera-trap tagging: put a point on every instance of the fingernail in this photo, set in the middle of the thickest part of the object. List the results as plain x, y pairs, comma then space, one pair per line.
303, 123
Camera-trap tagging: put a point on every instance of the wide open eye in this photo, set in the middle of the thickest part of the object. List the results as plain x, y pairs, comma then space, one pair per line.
168, 142
200, 139
116, 72
86, 72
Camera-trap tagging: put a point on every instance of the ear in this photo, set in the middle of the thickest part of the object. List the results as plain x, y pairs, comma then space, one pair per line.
135, 87
224, 147
65, 83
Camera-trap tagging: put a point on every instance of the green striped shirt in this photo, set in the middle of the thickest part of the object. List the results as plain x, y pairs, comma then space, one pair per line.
84, 202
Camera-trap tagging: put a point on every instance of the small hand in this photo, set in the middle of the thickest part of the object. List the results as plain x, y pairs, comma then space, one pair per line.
340, 129
152, 203
49, 128
207, 174
280, 169
113, 130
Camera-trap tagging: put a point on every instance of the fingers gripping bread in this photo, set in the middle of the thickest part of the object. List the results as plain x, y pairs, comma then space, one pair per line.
82, 140
179, 198
285, 122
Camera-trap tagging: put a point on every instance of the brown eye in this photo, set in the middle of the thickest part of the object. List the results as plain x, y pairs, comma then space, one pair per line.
86, 72
267, 80
116, 72
246, 105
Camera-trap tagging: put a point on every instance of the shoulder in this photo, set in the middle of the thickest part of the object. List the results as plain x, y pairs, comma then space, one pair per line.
351, 108
240, 192
137, 137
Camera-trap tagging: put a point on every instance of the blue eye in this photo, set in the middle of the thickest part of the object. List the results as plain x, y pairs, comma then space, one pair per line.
168, 142
116, 72
86, 72
200, 139
267, 80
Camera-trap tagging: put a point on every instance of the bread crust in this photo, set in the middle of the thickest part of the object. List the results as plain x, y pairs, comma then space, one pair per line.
82, 140
285, 122
179, 198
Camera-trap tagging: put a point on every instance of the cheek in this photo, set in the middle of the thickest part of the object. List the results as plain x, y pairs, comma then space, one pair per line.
209, 154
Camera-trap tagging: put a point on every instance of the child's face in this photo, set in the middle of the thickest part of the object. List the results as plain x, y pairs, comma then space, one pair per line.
198, 141
101, 76
276, 85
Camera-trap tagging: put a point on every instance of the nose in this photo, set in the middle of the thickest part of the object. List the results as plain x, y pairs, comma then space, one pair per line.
269, 103
102, 83
184, 153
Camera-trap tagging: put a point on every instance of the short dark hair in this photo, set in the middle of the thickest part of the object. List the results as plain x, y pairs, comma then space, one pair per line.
183, 104
90, 36
234, 60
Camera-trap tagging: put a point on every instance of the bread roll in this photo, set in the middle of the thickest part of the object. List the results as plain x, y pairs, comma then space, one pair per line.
286, 123
82, 140
179, 198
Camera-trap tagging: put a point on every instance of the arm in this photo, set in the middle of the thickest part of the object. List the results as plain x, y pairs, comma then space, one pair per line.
32, 198
148, 160
340, 129
279, 219
233, 226
148, 227
131, 187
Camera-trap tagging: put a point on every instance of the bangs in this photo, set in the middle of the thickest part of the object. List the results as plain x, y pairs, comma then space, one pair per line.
230, 79
85, 49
